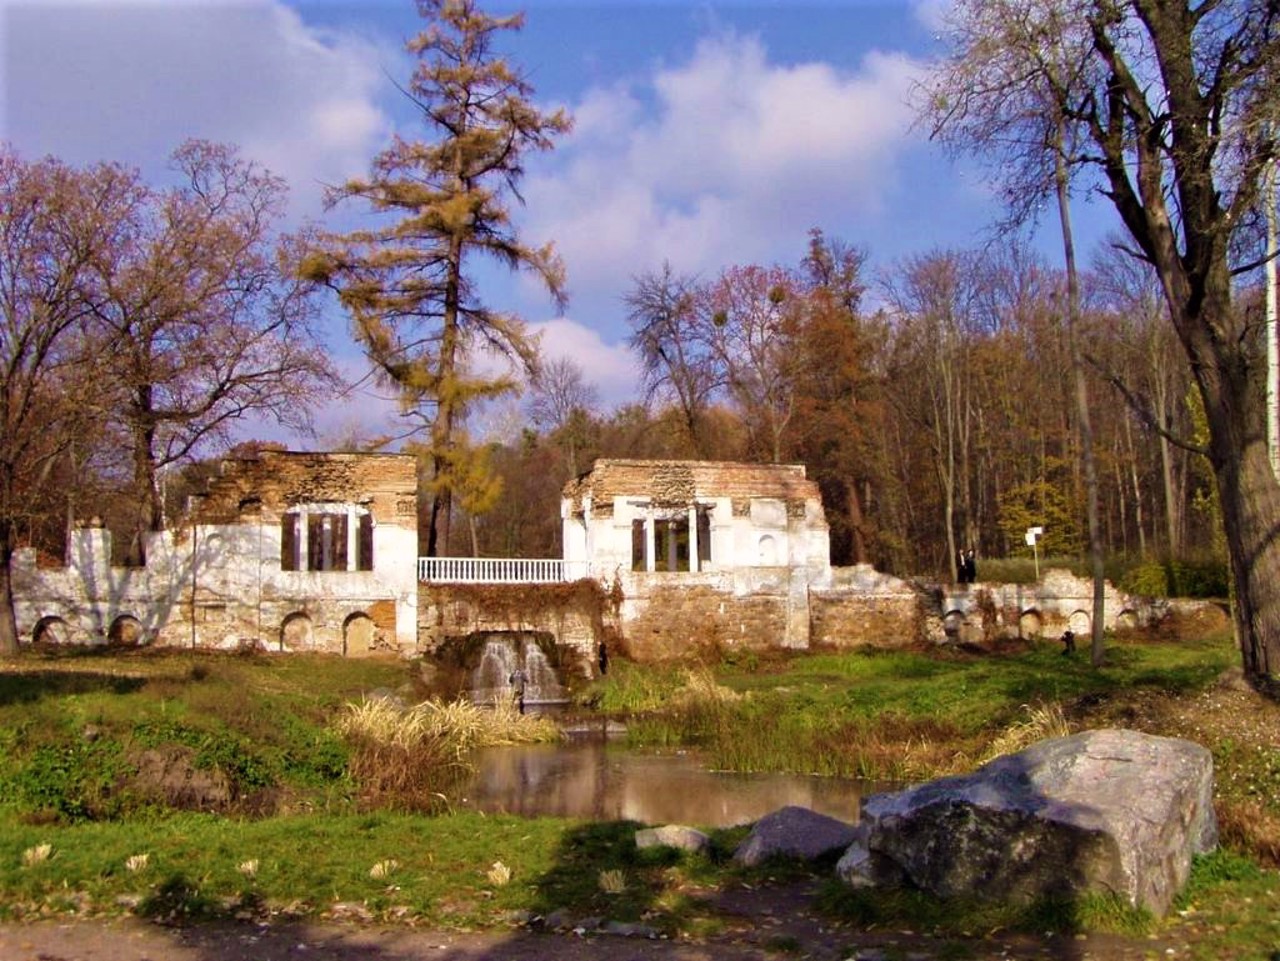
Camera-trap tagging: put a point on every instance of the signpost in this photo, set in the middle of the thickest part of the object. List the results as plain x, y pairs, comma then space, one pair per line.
1033, 540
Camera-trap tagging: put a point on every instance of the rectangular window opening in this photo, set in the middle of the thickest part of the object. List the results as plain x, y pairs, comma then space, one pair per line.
289, 542
364, 544
637, 546
671, 545
327, 542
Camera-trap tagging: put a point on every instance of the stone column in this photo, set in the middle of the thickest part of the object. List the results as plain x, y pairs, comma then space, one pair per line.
693, 538
650, 544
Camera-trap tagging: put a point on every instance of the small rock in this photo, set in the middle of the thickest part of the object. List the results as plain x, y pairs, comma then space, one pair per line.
628, 929
558, 921
673, 836
794, 832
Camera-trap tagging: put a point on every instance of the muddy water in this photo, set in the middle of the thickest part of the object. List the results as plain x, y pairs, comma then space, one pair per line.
603, 781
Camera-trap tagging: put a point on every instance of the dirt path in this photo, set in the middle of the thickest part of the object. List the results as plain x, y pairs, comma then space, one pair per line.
759, 924
139, 941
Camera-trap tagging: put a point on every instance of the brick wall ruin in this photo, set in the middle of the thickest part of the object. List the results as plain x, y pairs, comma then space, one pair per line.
220, 578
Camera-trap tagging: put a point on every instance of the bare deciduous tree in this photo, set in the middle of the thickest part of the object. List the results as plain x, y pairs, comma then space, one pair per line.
53, 222
200, 318
676, 357
1174, 104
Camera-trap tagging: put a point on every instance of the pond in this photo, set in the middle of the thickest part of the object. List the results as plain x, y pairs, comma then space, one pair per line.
604, 781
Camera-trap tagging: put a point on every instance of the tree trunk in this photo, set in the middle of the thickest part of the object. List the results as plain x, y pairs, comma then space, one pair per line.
8, 616
150, 516
1097, 649
1250, 499
857, 536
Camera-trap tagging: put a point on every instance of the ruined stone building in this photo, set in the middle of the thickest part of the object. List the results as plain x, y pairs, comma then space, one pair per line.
704, 552
285, 551
290, 551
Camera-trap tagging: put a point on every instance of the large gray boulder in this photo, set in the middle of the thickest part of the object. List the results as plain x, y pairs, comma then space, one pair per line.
794, 832
1103, 811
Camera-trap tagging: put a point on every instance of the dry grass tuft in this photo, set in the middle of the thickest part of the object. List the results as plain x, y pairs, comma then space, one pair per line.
700, 687
459, 725
1042, 722
37, 855
612, 881
411, 758
1249, 826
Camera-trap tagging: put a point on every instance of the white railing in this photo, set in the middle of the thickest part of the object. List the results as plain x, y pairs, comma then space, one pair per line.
498, 570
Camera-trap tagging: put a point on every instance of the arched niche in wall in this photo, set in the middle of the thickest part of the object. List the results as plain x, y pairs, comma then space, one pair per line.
125, 631
296, 633
357, 635
1030, 624
51, 630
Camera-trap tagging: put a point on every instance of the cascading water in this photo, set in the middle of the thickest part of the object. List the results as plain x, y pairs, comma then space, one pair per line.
513, 666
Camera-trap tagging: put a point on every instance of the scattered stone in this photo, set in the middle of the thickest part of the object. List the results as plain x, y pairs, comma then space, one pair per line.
1102, 811
558, 920
673, 836
628, 929
794, 832
350, 911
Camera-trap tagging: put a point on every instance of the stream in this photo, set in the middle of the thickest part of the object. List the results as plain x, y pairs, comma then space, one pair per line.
603, 781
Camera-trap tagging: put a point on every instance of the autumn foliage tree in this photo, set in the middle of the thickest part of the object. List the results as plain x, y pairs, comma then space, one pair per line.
441, 203
201, 319
54, 220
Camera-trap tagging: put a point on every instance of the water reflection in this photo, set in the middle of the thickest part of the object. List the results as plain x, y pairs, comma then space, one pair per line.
601, 781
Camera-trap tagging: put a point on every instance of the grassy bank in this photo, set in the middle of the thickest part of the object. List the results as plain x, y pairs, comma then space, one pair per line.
314, 793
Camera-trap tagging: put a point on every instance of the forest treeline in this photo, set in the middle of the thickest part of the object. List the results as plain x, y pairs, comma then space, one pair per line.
931, 402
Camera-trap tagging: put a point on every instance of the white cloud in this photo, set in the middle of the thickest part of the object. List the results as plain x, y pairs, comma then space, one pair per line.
611, 368
738, 158
129, 81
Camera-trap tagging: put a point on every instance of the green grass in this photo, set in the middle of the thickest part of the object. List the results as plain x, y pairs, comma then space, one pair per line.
436, 869
851, 713
70, 727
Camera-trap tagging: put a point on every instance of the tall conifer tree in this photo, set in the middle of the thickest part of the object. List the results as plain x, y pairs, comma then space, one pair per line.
443, 202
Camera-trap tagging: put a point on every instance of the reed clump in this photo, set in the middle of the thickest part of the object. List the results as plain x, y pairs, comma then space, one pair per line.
1039, 722
412, 758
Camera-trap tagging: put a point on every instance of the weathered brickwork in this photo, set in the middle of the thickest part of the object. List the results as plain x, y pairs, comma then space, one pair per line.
676, 622
219, 579
844, 619
580, 615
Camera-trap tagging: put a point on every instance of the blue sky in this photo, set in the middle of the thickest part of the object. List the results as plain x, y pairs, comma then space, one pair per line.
707, 134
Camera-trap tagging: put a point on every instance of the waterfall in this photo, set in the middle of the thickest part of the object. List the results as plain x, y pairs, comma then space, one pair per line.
511, 662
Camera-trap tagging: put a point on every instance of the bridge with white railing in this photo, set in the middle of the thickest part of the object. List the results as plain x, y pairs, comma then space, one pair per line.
498, 570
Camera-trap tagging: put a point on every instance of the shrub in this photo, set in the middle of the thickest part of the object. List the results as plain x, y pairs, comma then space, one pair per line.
71, 782
1200, 579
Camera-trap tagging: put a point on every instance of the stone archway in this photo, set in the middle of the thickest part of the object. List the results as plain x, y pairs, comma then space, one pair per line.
51, 630
125, 631
1080, 624
296, 633
767, 551
357, 635
1030, 624
953, 623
